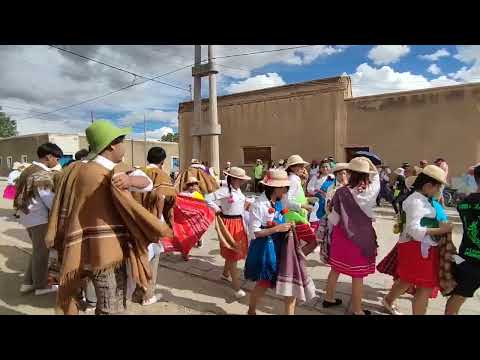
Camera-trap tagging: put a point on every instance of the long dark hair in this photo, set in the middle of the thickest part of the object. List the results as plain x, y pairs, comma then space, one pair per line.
229, 184
357, 178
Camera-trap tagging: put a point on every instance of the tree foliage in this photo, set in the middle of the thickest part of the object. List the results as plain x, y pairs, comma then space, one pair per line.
8, 127
170, 137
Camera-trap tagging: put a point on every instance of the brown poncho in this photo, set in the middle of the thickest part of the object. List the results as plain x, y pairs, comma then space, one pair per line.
31, 180
206, 182
161, 199
96, 227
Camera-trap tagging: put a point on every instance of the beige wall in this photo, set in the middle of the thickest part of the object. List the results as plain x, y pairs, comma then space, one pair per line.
140, 151
442, 122
302, 119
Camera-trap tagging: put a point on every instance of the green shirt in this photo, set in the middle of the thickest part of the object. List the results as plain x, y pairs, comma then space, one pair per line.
258, 171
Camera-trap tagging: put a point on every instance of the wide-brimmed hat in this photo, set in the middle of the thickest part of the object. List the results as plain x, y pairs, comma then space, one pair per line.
435, 172
259, 161
196, 161
409, 181
295, 160
16, 165
339, 167
281, 162
399, 171
238, 173
191, 180
276, 178
101, 134
361, 165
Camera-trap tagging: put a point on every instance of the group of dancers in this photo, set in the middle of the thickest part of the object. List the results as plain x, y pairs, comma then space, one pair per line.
108, 225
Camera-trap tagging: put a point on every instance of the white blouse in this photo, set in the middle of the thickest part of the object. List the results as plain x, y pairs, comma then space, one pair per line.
316, 183
219, 201
416, 207
295, 188
259, 215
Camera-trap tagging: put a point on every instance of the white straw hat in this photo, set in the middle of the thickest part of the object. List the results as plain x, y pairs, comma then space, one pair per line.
409, 181
340, 166
238, 173
399, 171
276, 178
436, 173
16, 165
361, 165
195, 161
295, 160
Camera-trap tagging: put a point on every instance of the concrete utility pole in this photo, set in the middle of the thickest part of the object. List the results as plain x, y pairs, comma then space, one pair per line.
214, 156
91, 113
197, 104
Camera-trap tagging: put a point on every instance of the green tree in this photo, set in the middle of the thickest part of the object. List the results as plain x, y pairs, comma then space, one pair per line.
8, 127
170, 137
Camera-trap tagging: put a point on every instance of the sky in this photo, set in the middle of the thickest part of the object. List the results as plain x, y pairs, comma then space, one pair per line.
41, 83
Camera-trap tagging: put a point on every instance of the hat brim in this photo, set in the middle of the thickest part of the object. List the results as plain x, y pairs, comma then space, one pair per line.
277, 183
111, 136
246, 178
297, 163
361, 171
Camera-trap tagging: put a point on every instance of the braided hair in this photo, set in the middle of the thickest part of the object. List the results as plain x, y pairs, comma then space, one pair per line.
229, 184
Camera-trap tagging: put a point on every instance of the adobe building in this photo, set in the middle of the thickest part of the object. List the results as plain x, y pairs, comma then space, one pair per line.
24, 149
320, 118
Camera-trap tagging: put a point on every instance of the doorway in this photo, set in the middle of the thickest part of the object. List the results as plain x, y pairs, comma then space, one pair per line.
351, 150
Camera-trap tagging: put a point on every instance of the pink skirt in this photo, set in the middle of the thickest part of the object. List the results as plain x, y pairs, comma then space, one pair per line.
346, 258
10, 192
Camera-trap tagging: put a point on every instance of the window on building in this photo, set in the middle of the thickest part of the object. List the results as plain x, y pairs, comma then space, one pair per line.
252, 153
24, 158
9, 162
175, 164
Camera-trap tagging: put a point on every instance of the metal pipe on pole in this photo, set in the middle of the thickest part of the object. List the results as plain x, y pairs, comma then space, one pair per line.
214, 156
197, 104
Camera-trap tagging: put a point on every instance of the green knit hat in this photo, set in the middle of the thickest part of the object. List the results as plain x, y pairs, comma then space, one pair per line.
101, 134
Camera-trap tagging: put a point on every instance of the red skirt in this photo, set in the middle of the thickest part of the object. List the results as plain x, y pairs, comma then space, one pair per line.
415, 269
10, 192
236, 228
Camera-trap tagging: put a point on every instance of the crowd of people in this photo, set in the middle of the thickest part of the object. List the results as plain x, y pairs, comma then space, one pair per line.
98, 228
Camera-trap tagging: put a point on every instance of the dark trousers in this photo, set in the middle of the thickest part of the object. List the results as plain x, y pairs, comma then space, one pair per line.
110, 290
37, 270
386, 193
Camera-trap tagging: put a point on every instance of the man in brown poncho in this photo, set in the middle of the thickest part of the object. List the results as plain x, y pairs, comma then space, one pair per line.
34, 197
159, 202
98, 228
206, 182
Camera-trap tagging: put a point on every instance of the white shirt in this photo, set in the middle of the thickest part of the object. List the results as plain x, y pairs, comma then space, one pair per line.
416, 207
219, 201
295, 188
109, 165
12, 177
259, 215
314, 172
316, 183
366, 199
39, 207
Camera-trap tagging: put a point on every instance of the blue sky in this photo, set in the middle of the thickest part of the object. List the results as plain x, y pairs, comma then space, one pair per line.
42, 79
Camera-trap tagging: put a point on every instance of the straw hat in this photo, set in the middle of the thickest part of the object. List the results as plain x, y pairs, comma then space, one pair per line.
192, 180
259, 161
238, 173
340, 166
16, 165
295, 160
276, 178
196, 161
436, 173
409, 181
399, 171
361, 165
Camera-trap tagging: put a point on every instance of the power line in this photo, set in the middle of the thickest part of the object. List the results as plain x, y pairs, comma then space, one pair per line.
260, 52
117, 68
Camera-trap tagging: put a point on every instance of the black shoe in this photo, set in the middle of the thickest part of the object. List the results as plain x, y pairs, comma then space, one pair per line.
326, 304
366, 312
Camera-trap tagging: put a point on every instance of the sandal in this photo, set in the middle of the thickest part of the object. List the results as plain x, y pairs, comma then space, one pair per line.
326, 304
392, 309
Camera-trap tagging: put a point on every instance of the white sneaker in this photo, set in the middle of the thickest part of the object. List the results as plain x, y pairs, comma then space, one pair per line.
24, 288
392, 309
226, 278
150, 301
45, 291
240, 294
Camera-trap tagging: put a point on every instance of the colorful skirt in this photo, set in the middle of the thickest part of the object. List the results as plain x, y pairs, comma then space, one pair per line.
235, 227
10, 192
415, 269
262, 260
346, 258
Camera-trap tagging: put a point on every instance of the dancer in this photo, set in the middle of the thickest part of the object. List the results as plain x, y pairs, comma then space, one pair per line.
274, 259
98, 228
318, 187
229, 204
206, 182
298, 206
467, 262
353, 246
11, 188
34, 199
418, 257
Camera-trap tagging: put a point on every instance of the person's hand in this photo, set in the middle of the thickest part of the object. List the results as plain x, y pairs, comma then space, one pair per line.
121, 181
446, 227
282, 228
307, 207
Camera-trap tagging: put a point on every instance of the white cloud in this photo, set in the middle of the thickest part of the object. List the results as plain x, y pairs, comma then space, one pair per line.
168, 117
468, 53
255, 83
436, 55
155, 134
434, 69
368, 80
387, 54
